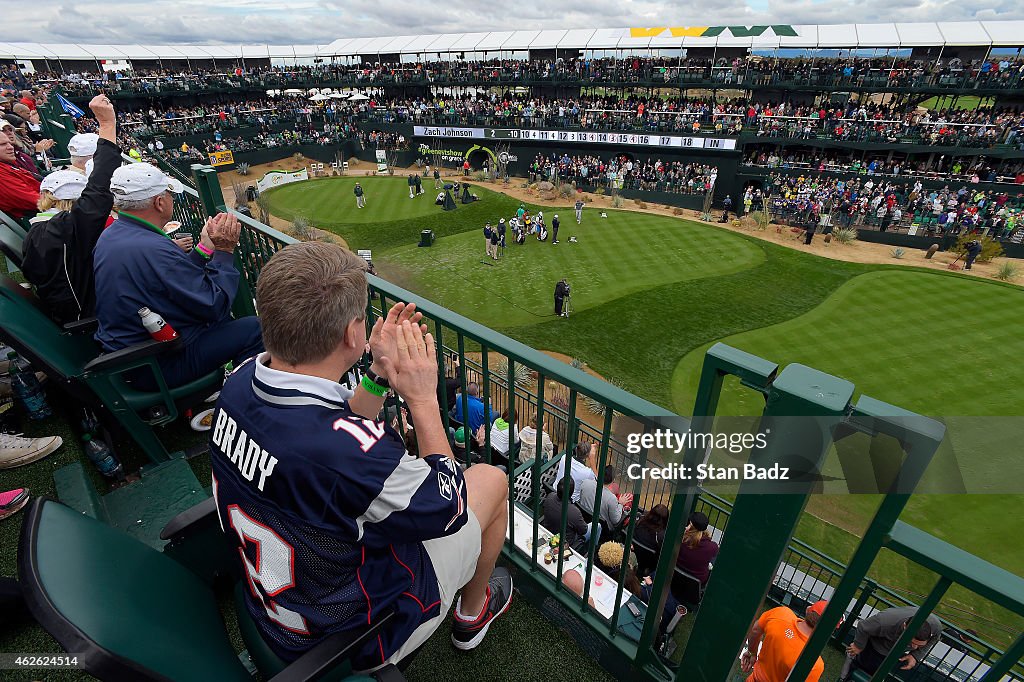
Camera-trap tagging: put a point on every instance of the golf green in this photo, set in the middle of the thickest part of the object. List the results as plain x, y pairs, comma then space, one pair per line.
332, 201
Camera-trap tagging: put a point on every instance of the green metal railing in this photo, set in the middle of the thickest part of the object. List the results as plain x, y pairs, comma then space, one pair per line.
760, 560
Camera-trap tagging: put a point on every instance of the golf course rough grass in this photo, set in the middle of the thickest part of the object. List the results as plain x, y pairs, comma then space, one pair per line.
652, 293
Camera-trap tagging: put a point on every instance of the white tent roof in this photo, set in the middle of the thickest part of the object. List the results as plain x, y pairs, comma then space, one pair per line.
877, 35
221, 51
255, 52
885, 35
606, 38
964, 33
493, 41
1004, 33
547, 40
375, 45
837, 35
520, 40
169, 52
396, 44
445, 42
806, 37
468, 42
420, 44
919, 35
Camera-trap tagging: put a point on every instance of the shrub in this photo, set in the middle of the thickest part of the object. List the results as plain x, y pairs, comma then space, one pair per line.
238, 190
263, 209
242, 168
595, 406
898, 252
641, 204
677, 211
845, 235
617, 201
1007, 272
990, 248
599, 191
523, 374
637, 201
301, 229
481, 176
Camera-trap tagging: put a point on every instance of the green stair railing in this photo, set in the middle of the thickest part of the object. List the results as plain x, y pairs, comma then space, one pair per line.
809, 413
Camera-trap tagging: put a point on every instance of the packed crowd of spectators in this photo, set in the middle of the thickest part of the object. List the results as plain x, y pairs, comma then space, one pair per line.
750, 70
622, 172
887, 204
972, 169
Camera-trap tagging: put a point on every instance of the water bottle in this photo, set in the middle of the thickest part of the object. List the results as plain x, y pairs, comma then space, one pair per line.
103, 457
27, 389
156, 326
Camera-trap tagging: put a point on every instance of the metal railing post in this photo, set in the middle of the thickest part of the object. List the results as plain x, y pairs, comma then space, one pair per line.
802, 409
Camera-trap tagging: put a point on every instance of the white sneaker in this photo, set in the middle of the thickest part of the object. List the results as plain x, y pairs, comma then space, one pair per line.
16, 450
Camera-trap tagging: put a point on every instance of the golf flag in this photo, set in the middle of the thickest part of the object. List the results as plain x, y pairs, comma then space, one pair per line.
68, 107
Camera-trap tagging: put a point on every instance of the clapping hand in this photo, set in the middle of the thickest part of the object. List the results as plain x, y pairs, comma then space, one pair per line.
412, 370
385, 334
221, 232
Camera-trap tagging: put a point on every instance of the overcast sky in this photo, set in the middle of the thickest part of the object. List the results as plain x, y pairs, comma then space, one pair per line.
323, 21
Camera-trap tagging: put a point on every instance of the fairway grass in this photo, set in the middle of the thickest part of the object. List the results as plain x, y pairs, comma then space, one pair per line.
652, 293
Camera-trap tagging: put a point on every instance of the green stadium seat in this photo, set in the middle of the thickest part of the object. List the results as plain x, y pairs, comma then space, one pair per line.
74, 362
131, 613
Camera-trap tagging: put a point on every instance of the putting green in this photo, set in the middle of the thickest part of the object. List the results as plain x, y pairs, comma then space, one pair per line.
615, 256
329, 201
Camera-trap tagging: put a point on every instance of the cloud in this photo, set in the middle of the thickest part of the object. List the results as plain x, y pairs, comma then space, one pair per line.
324, 21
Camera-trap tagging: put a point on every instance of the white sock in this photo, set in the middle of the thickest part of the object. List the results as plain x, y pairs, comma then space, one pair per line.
462, 616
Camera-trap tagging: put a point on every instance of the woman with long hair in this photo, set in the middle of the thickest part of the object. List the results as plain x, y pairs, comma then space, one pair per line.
698, 549
650, 528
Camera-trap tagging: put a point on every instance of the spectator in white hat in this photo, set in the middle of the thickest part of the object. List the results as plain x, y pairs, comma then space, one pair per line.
138, 266
82, 148
75, 209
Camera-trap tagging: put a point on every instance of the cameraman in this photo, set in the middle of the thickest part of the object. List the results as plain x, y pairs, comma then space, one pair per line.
561, 292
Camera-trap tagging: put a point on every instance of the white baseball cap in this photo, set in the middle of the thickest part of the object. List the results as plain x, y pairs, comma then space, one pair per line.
64, 184
142, 181
83, 144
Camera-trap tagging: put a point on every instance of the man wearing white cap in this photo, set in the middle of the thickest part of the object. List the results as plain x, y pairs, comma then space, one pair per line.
58, 251
138, 266
82, 147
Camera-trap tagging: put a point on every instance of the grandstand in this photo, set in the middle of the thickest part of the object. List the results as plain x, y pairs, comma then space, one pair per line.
812, 126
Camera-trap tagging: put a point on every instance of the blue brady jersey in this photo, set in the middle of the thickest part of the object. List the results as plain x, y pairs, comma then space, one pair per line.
328, 512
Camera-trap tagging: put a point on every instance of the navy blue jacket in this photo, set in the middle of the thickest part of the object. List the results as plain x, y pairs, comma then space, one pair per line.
137, 267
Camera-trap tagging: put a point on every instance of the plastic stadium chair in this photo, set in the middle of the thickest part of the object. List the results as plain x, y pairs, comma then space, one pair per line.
131, 613
687, 588
72, 359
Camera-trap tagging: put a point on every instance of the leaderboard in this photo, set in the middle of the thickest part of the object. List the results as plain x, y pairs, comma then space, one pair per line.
577, 137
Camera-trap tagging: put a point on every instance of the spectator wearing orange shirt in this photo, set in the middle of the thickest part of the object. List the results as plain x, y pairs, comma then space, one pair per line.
784, 636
